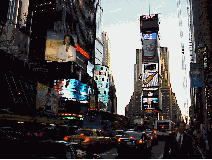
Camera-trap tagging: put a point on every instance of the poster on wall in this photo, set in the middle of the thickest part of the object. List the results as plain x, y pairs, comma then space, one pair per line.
60, 47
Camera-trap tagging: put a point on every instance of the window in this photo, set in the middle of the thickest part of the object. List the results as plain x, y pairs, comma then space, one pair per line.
102, 79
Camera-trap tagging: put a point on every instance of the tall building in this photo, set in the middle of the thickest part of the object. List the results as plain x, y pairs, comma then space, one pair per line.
99, 38
165, 88
106, 50
200, 73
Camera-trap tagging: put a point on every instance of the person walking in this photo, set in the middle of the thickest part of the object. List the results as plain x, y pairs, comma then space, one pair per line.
181, 144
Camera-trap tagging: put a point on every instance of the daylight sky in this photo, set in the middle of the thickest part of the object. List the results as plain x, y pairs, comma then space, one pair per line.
121, 22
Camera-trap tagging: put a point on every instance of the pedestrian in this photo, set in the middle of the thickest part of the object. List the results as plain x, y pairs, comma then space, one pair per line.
67, 52
181, 144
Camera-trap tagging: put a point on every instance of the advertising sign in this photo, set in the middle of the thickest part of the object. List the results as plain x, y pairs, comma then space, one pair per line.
90, 69
60, 47
41, 95
149, 47
47, 98
71, 89
101, 77
149, 23
149, 103
196, 75
149, 36
150, 75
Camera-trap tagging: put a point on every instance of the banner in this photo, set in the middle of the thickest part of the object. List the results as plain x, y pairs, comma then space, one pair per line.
196, 75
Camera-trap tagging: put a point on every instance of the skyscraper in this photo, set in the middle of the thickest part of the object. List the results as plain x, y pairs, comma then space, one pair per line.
106, 50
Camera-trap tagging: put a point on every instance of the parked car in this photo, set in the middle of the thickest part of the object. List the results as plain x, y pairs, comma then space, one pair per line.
131, 143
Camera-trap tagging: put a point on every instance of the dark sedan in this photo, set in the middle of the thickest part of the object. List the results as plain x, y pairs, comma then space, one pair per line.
132, 144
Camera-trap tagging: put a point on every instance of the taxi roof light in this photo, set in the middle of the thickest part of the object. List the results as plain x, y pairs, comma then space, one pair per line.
87, 139
81, 134
131, 137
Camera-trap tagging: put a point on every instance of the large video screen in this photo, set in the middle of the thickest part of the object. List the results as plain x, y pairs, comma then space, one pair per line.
71, 89
60, 47
149, 47
149, 103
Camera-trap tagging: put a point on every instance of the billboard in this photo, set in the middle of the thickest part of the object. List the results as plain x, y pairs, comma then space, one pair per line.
196, 75
149, 23
47, 98
60, 47
71, 89
90, 69
150, 75
101, 77
149, 103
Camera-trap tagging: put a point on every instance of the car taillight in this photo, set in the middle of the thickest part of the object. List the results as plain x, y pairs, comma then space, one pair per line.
155, 135
119, 140
146, 134
40, 134
65, 138
155, 131
81, 134
28, 133
140, 141
170, 131
131, 136
151, 137
87, 139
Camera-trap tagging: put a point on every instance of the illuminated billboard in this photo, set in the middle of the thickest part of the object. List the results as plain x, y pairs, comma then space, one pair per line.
149, 23
101, 77
46, 98
149, 36
71, 89
150, 75
60, 47
90, 69
149, 103
149, 47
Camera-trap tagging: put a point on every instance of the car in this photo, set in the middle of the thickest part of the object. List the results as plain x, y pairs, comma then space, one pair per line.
151, 136
89, 139
131, 143
118, 134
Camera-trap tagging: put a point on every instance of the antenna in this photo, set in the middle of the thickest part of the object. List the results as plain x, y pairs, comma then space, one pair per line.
149, 7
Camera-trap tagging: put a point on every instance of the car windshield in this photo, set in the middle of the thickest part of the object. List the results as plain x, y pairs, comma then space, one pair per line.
85, 132
119, 132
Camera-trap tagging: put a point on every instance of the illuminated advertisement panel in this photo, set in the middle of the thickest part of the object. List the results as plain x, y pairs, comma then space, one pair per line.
90, 69
60, 47
101, 77
150, 75
71, 89
149, 23
47, 98
149, 103
149, 47
149, 36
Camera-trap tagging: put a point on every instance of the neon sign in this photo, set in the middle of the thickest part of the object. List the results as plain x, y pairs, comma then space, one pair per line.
78, 48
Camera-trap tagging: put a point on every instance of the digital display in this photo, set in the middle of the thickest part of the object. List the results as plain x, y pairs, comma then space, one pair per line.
101, 77
60, 47
149, 47
71, 89
149, 36
90, 69
149, 23
149, 103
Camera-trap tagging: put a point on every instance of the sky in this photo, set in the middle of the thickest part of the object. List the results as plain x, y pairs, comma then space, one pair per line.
121, 22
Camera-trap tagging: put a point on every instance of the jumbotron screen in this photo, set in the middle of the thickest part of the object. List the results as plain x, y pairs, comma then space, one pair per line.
71, 89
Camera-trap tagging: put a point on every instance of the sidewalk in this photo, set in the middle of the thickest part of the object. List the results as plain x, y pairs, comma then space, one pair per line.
203, 148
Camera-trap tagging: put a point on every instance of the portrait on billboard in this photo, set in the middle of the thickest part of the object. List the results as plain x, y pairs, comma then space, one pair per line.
60, 47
